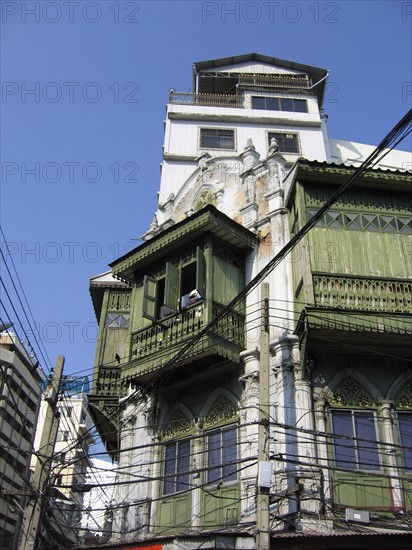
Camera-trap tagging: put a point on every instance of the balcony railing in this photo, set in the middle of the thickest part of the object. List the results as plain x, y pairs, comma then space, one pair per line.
275, 81
230, 327
167, 332
109, 383
176, 330
208, 100
386, 295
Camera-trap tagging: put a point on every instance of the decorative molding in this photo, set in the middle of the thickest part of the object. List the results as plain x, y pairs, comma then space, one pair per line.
364, 221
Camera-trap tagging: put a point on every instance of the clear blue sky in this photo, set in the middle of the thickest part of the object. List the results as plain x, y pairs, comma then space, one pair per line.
93, 127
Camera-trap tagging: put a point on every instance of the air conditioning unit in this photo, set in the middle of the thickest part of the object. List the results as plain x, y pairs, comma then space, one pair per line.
358, 516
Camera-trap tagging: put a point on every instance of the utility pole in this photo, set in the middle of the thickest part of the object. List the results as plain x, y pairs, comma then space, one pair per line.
35, 507
264, 475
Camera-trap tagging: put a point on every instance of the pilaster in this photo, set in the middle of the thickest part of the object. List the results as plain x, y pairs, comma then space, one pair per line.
392, 452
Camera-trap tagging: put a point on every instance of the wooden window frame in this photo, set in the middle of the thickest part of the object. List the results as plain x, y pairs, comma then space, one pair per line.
172, 287
357, 444
177, 457
224, 467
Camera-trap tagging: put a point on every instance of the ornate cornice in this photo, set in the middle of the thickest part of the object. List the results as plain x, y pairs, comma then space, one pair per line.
208, 220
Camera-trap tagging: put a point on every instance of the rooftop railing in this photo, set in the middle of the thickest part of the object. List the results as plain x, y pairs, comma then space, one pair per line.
208, 100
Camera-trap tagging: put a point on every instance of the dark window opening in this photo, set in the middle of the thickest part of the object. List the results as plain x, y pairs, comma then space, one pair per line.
217, 138
405, 432
161, 311
279, 104
182, 286
222, 455
177, 463
288, 143
189, 292
357, 447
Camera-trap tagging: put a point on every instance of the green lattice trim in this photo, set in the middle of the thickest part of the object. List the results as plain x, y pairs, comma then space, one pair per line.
177, 425
351, 394
356, 221
222, 412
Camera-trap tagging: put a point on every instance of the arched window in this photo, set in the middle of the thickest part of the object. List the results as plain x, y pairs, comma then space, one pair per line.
353, 423
221, 442
176, 452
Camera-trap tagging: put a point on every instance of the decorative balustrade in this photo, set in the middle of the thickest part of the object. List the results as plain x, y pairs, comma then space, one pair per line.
108, 383
274, 80
168, 332
386, 295
208, 100
179, 328
230, 327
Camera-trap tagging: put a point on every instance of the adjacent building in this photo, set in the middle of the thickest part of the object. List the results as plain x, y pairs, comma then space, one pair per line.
20, 393
96, 520
176, 392
61, 523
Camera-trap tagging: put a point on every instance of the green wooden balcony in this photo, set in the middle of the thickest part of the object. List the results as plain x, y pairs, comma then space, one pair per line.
154, 347
104, 405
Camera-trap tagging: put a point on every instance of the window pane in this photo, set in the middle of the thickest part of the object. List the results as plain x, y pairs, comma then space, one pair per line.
272, 103
229, 454
288, 143
287, 104
343, 448
226, 139
170, 464
216, 138
183, 465
405, 430
258, 103
208, 138
300, 106
177, 464
368, 458
214, 457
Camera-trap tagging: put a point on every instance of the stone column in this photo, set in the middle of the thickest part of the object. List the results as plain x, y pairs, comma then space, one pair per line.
323, 459
197, 453
248, 436
392, 452
283, 430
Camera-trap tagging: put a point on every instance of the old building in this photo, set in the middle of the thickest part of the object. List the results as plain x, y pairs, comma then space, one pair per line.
176, 393
61, 520
20, 381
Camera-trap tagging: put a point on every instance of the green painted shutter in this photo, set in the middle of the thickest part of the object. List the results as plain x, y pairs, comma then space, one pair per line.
172, 290
150, 298
201, 272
